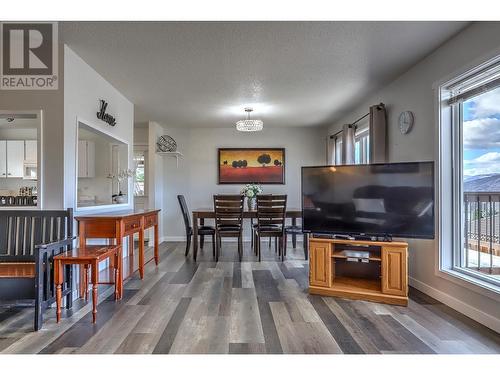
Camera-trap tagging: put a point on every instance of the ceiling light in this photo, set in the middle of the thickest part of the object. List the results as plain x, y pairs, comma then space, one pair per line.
249, 125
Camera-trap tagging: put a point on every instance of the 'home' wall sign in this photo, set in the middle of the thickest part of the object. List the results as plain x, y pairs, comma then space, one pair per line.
102, 115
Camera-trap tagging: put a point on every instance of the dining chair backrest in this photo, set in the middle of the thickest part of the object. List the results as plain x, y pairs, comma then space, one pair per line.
271, 210
229, 211
185, 211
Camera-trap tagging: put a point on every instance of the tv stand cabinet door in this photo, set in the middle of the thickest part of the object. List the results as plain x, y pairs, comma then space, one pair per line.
395, 271
320, 264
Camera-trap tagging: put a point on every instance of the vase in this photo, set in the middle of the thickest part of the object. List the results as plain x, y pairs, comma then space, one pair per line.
252, 204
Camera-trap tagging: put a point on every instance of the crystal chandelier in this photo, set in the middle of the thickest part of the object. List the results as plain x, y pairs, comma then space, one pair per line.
249, 125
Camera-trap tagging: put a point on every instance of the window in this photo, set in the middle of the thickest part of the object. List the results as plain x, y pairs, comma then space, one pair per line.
338, 149
361, 145
140, 173
472, 112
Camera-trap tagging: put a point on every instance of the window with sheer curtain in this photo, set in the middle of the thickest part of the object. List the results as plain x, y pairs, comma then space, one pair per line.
362, 145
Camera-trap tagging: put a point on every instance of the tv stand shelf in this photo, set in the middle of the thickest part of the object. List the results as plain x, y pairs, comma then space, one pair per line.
384, 278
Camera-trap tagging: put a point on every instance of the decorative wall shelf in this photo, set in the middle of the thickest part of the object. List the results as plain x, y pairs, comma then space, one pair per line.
173, 154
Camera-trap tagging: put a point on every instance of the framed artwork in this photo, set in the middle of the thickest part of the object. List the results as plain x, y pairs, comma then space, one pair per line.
251, 165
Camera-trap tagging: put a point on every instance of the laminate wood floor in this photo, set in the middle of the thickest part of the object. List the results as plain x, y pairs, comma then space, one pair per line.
247, 307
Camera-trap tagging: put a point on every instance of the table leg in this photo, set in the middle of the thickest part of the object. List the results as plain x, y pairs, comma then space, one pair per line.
120, 265
81, 243
58, 278
202, 238
86, 281
117, 274
131, 245
141, 253
81, 289
294, 236
156, 247
94, 290
195, 235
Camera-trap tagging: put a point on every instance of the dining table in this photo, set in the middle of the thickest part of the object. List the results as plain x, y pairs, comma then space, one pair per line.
200, 214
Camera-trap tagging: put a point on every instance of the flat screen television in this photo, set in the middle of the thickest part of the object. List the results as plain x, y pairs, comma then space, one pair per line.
393, 199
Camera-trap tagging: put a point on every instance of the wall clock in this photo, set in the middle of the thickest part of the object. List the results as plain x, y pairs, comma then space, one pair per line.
406, 120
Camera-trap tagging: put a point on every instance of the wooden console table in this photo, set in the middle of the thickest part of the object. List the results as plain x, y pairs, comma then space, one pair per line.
116, 225
383, 277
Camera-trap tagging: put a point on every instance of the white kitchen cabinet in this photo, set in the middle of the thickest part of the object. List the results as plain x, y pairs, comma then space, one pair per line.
30, 153
86, 159
3, 158
15, 159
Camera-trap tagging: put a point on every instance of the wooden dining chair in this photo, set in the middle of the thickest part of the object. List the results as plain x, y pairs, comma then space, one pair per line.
271, 213
203, 230
228, 221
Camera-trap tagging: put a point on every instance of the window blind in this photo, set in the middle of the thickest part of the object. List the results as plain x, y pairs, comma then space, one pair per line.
475, 84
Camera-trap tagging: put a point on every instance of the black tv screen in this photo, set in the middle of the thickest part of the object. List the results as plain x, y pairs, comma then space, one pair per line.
395, 199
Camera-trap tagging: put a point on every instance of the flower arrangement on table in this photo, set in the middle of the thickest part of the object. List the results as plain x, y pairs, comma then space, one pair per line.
250, 191
123, 175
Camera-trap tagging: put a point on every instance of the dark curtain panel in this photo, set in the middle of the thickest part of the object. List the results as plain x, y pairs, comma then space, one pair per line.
378, 134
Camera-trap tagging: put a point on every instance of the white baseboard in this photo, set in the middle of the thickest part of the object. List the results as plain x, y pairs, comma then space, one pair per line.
468, 310
208, 239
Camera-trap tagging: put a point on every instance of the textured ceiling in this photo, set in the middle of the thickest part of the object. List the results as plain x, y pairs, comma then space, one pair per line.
202, 74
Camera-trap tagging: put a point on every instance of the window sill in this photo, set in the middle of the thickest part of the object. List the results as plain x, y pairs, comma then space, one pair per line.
479, 286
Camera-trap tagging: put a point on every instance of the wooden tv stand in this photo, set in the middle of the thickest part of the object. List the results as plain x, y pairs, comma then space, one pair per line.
384, 278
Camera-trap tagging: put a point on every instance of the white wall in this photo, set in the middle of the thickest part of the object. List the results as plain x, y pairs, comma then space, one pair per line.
414, 91
50, 102
156, 181
196, 176
83, 87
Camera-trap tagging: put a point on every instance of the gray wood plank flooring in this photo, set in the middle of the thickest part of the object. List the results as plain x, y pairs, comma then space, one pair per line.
250, 307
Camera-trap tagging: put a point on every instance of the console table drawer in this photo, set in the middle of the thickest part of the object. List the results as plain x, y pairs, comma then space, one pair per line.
150, 220
132, 225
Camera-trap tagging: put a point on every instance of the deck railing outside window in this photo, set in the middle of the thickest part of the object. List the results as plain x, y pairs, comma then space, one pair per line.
482, 233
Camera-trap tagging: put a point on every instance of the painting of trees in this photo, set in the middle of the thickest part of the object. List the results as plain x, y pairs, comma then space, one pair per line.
251, 165
264, 159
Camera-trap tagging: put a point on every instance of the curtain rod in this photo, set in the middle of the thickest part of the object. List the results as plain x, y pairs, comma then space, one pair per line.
380, 106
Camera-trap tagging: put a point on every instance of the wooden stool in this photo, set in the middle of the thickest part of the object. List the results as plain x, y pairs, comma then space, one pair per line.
89, 256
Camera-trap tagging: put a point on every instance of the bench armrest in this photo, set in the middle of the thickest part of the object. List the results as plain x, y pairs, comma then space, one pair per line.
56, 244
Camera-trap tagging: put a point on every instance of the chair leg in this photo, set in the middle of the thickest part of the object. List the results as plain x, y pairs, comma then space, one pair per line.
69, 285
282, 252
257, 239
255, 246
251, 236
306, 247
285, 238
202, 242
294, 241
213, 245
269, 242
188, 244
217, 247
275, 242
240, 247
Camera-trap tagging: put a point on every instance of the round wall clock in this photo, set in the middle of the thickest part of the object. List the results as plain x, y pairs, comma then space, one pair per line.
406, 120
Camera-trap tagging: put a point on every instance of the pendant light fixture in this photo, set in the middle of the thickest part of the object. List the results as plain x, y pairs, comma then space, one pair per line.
249, 125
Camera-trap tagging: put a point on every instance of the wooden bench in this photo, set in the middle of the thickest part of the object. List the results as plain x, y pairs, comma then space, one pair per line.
29, 240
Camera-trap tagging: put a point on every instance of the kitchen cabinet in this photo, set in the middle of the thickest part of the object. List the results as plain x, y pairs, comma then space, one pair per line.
15, 159
30, 154
3, 158
86, 159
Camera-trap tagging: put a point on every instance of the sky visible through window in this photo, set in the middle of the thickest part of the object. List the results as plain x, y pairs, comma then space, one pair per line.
481, 134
